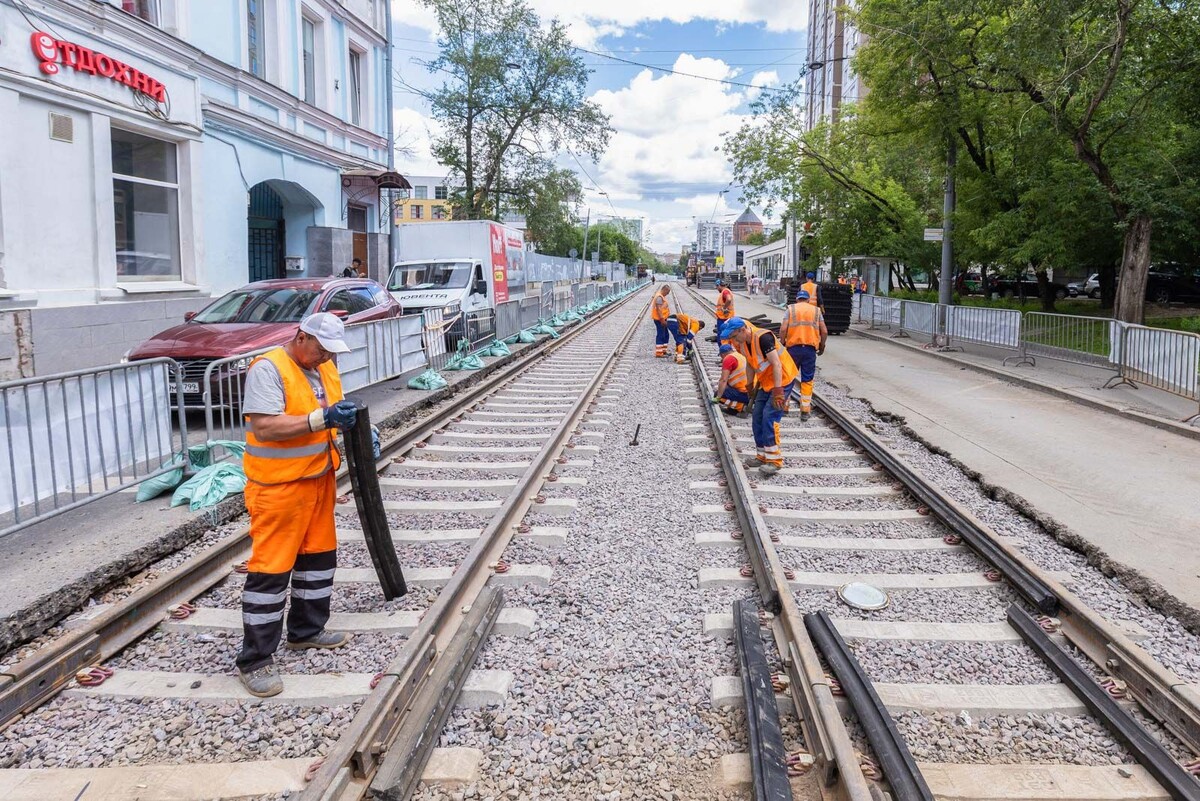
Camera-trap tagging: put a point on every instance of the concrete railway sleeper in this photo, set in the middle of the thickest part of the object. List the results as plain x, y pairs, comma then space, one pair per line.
156, 663
910, 697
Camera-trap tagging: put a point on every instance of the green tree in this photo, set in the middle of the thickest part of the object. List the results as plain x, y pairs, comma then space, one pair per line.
545, 200
756, 238
1097, 74
515, 90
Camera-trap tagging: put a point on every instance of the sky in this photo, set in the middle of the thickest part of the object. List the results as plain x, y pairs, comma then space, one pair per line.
663, 161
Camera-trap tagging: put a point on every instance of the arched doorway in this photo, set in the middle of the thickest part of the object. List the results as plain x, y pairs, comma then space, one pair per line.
264, 220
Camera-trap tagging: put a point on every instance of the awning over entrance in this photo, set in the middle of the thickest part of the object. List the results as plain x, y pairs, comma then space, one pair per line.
382, 179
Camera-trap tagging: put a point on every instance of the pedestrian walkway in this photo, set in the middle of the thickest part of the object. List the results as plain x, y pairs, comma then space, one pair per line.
1126, 488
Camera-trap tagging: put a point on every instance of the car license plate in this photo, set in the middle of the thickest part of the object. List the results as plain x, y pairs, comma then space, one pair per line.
192, 387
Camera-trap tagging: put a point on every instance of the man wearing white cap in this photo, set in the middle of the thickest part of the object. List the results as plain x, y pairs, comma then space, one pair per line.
293, 405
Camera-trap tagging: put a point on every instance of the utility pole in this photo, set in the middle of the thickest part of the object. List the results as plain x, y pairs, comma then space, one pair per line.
946, 284
393, 240
586, 257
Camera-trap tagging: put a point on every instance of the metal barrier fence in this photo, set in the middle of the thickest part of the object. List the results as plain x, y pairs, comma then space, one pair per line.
1071, 338
381, 349
508, 319
999, 328
77, 436
222, 390
1157, 357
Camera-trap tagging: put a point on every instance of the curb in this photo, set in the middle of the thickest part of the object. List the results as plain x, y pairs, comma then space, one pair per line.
1160, 423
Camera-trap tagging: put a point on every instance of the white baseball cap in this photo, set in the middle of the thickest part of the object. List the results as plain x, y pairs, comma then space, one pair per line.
329, 331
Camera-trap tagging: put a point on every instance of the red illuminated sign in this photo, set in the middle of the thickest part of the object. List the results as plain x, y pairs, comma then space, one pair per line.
51, 52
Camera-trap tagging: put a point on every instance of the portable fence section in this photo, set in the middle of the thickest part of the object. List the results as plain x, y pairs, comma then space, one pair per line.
222, 386
1070, 338
919, 317
1000, 328
508, 319
531, 310
381, 349
74, 437
1167, 360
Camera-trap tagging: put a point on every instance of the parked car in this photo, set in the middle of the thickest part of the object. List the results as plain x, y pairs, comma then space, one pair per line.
1027, 285
1087, 288
1173, 281
968, 283
258, 315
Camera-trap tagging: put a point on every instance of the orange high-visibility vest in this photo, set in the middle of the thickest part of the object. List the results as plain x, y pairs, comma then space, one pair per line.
738, 377
686, 325
759, 364
725, 304
811, 289
660, 309
308, 455
804, 325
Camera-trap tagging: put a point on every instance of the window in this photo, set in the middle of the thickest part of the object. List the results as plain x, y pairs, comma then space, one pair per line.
143, 9
309, 45
420, 192
438, 213
351, 301
146, 207
355, 68
439, 192
416, 211
256, 38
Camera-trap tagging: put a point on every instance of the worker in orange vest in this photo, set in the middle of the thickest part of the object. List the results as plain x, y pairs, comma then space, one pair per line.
293, 402
773, 371
660, 310
724, 305
810, 286
684, 329
804, 334
733, 390
842, 281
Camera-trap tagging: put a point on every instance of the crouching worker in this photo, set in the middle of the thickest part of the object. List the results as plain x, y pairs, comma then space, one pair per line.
804, 333
733, 390
773, 371
683, 329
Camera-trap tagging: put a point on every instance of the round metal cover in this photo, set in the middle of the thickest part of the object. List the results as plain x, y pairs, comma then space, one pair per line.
863, 596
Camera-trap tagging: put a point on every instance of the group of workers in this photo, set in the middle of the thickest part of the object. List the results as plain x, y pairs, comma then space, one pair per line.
759, 370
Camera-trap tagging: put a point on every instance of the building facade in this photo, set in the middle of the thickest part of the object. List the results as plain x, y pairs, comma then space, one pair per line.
632, 227
832, 42
427, 201
745, 226
157, 153
713, 236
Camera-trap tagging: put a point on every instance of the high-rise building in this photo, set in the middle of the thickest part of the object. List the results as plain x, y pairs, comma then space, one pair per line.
712, 236
832, 42
632, 227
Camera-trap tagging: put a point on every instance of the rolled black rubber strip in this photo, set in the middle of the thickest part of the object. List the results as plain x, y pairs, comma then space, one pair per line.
768, 760
360, 456
897, 763
1147, 750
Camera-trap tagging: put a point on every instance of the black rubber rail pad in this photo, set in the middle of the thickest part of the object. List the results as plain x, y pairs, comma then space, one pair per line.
961, 522
899, 768
768, 760
364, 481
1148, 751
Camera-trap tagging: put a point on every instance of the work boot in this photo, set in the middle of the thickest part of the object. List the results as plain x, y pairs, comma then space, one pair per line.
804, 416
323, 639
766, 469
262, 683
753, 461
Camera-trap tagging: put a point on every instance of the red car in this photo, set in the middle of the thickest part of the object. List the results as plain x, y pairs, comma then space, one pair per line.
257, 316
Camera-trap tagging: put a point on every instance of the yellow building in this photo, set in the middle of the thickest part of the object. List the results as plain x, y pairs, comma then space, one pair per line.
427, 202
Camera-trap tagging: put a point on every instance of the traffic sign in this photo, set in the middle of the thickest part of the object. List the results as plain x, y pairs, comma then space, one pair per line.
933, 234
573, 252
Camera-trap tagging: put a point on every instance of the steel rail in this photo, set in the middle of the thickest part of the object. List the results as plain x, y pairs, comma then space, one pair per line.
388, 714
1163, 694
971, 529
1147, 750
825, 731
39, 676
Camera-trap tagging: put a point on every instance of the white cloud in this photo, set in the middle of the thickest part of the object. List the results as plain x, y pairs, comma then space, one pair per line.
589, 22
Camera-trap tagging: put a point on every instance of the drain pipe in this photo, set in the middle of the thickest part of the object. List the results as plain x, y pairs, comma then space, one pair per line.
391, 146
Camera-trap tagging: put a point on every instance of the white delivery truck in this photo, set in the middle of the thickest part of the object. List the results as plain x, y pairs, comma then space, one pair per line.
477, 264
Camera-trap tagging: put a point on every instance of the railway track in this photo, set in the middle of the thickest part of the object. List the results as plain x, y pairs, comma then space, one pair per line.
139, 701
989, 667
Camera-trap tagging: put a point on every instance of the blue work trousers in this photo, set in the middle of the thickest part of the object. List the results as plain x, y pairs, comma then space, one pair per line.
764, 422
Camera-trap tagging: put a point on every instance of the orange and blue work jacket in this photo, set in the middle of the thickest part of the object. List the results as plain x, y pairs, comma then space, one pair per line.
764, 374
307, 455
811, 289
660, 308
739, 376
724, 304
803, 325
686, 325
